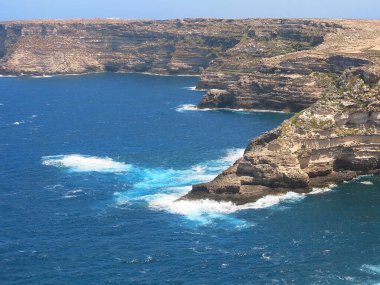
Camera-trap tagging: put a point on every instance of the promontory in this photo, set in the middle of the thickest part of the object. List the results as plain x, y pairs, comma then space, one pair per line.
326, 72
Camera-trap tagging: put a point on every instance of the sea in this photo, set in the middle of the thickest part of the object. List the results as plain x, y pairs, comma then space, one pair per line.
91, 170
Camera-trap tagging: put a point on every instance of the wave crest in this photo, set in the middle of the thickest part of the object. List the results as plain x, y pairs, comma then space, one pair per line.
189, 107
82, 163
192, 107
371, 269
161, 188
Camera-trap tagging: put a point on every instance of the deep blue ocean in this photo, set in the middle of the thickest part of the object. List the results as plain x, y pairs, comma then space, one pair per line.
90, 170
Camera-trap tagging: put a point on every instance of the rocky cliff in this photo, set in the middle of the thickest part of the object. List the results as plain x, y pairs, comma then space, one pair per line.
257, 74
336, 139
79, 46
327, 70
185, 46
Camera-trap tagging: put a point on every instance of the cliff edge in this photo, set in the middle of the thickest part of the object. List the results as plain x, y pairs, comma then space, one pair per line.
184, 46
327, 70
333, 139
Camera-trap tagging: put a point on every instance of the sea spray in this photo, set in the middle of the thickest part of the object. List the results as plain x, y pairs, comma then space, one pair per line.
83, 163
191, 108
162, 188
371, 269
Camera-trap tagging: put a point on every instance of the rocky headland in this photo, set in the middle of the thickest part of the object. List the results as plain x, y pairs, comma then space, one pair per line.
326, 70
334, 140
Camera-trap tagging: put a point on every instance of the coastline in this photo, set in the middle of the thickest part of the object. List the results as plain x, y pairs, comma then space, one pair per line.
38, 75
325, 72
255, 193
194, 108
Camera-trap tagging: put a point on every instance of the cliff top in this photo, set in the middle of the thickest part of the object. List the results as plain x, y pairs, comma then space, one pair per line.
366, 22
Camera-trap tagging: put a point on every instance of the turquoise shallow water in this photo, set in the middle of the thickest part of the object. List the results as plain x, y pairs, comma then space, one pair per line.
91, 167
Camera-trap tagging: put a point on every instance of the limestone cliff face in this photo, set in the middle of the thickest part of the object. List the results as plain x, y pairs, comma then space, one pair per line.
336, 137
284, 72
77, 46
330, 69
166, 47
334, 140
292, 84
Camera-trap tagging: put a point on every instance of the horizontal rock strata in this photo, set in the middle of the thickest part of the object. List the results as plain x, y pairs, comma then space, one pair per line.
327, 70
336, 139
185, 46
289, 73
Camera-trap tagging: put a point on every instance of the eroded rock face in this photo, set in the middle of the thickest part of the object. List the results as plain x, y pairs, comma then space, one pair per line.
185, 46
330, 69
334, 140
77, 46
288, 73
290, 85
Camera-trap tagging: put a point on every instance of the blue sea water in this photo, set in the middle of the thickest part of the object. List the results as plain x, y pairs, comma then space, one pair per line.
90, 170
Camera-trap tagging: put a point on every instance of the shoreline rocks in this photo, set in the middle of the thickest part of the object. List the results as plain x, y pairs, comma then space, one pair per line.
326, 70
334, 140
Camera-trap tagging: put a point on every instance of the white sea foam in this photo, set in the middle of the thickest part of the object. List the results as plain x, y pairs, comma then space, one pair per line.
18, 123
74, 74
361, 177
69, 196
194, 88
371, 269
322, 190
161, 189
192, 107
75, 191
188, 208
41, 76
189, 107
265, 256
232, 155
72, 193
197, 208
260, 111
82, 163
368, 183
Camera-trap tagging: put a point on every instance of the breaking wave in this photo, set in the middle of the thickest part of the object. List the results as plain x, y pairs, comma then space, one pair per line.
192, 107
368, 183
161, 189
83, 163
41, 76
371, 269
196, 209
189, 107
194, 88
